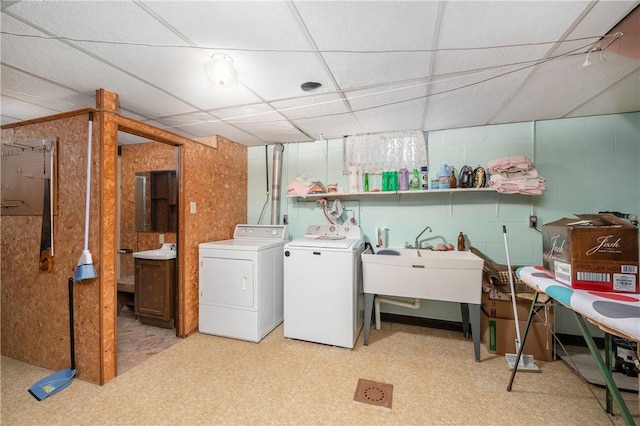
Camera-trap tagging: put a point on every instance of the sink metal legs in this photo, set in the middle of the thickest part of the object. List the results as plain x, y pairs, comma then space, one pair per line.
471, 314
368, 311
470, 317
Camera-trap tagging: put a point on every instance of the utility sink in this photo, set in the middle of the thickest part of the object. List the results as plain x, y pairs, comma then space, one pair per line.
450, 276
166, 252
454, 276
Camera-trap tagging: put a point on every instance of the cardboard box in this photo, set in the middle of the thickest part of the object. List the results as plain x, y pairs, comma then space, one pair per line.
595, 252
503, 308
499, 335
499, 328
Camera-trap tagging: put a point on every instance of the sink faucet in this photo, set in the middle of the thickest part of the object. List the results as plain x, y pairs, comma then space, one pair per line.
417, 246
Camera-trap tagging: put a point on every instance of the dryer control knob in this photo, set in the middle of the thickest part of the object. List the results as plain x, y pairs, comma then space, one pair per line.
287, 254
332, 228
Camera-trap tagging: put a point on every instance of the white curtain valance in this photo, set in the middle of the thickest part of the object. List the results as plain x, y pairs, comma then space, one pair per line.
375, 153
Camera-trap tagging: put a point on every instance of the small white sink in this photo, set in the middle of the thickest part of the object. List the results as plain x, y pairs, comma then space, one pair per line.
166, 252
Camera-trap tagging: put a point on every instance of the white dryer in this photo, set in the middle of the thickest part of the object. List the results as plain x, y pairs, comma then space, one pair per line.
241, 283
323, 299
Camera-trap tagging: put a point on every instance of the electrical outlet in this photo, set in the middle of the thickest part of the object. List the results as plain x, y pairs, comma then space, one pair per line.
161, 238
533, 221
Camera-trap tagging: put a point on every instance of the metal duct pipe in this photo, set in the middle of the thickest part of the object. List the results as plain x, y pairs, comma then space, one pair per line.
276, 181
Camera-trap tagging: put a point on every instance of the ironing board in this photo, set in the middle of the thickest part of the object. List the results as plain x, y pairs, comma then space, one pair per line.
613, 313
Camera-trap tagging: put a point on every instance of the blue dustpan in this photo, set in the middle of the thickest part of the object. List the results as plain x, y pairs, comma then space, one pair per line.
59, 380
52, 384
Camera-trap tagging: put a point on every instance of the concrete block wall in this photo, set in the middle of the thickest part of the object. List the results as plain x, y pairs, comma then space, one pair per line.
590, 164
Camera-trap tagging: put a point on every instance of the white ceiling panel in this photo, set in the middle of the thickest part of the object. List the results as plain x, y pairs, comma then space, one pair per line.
402, 116
278, 75
30, 89
233, 24
596, 23
623, 96
207, 125
152, 55
383, 96
367, 26
14, 110
546, 97
332, 127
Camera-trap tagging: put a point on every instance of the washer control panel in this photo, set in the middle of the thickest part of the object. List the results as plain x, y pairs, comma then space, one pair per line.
334, 231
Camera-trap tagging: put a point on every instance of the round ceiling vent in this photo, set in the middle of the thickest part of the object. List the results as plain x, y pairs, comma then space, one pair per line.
310, 85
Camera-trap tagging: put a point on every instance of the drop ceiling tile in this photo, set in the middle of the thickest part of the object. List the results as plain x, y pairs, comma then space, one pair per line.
623, 96
597, 23
330, 127
355, 71
369, 26
35, 91
402, 116
198, 124
15, 110
472, 99
278, 75
388, 95
86, 75
311, 106
222, 25
488, 23
545, 96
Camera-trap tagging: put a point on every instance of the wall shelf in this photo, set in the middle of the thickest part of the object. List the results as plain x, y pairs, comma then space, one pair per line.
340, 195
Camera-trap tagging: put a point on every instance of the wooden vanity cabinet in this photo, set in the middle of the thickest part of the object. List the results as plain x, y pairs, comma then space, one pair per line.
155, 292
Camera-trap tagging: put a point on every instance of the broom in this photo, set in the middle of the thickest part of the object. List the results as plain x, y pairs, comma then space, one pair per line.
85, 269
526, 362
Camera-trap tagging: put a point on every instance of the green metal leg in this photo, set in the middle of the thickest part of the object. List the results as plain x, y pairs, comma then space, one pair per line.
606, 373
607, 358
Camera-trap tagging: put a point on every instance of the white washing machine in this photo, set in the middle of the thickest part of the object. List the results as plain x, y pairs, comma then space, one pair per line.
323, 285
241, 283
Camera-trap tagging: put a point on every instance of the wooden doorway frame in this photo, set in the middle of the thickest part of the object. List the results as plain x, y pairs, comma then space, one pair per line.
110, 123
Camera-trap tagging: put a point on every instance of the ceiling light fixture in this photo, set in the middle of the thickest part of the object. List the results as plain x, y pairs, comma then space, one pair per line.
221, 71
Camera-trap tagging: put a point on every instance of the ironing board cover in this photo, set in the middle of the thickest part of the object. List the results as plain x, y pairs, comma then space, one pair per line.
616, 313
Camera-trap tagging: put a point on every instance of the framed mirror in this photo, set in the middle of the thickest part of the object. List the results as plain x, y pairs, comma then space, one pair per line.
156, 198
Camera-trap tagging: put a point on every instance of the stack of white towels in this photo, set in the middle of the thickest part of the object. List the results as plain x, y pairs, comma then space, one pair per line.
515, 175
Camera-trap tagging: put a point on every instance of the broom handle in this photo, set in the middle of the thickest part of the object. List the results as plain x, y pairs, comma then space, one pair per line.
71, 334
87, 203
513, 290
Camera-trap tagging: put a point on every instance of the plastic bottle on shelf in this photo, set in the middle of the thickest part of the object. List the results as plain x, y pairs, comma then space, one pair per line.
403, 179
414, 184
461, 242
424, 178
443, 176
366, 182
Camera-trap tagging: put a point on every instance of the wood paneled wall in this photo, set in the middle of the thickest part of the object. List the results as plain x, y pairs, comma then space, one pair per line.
35, 314
34, 311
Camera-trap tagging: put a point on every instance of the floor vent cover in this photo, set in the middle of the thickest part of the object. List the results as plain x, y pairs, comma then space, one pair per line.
374, 393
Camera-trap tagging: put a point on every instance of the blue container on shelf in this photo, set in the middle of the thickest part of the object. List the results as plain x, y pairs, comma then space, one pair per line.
443, 177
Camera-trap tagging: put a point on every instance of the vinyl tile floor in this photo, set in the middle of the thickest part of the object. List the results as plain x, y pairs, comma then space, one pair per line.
210, 380
137, 342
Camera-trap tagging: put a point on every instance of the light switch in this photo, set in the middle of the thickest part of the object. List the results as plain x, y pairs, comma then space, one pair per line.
193, 207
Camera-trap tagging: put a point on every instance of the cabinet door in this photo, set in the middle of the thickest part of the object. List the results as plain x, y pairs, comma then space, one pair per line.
153, 295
